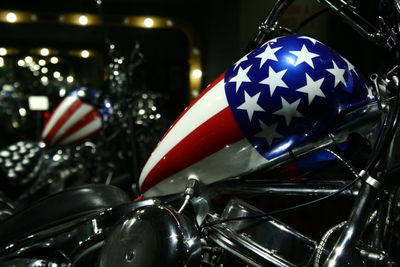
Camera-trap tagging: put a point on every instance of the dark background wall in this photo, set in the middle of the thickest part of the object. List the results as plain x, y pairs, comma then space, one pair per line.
222, 28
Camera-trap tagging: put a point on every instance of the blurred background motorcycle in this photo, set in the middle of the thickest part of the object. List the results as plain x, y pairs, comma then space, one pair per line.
89, 137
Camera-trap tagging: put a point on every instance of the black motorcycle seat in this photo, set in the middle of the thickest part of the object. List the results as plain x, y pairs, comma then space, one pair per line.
62, 207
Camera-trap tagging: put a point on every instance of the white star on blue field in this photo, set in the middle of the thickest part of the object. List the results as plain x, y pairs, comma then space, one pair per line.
288, 90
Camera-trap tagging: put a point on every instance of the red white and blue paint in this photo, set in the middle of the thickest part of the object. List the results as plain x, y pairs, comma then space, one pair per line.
73, 120
278, 96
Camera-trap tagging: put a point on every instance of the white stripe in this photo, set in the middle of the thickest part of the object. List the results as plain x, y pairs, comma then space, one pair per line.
233, 160
89, 128
206, 107
75, 117
60, 110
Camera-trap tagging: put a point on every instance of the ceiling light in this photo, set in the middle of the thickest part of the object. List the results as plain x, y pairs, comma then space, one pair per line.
62, 92
197, 73
56, 74
28, 59
83, 20
70, 79
54, 60
85, 54
148, 22
44, 80
44, 52
22, 112
3, 51
11, 17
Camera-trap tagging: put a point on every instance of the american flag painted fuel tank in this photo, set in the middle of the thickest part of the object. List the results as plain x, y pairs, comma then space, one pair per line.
72, 121
280, 95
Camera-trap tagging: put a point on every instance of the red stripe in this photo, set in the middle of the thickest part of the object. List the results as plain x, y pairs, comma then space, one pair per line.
210, 137
194, 102
51, 114
63, 118
88, 118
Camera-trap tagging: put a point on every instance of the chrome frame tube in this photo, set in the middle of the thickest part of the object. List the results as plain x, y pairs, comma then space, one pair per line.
288, 188
356, 224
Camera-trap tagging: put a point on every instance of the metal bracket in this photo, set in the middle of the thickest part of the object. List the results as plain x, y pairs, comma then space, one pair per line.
369, 179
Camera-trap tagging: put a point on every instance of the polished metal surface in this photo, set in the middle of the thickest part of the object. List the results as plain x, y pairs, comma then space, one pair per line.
153, 236
280, 187
324, 239
72, 238
373, 182
260, 242
267, 28
343, 250
33, 262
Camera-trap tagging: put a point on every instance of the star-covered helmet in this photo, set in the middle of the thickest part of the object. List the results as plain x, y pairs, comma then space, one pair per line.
282, 94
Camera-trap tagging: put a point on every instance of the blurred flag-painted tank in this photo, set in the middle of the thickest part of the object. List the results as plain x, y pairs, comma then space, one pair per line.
76, 118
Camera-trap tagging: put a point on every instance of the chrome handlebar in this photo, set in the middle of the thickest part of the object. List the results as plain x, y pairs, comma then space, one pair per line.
381, 36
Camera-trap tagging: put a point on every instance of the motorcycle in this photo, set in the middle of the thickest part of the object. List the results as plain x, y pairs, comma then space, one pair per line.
289, 107
86, 129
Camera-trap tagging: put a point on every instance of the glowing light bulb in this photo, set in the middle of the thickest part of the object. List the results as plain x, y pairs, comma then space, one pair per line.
11, 17
62, 92
85, 54
148, 22
83, 20
44, 52
3, 51
197, 73
54, 60
28, 59
44, 80
56, 74
22, 112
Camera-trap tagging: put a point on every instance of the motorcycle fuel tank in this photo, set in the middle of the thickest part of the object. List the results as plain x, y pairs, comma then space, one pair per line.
74, 119
280, 95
